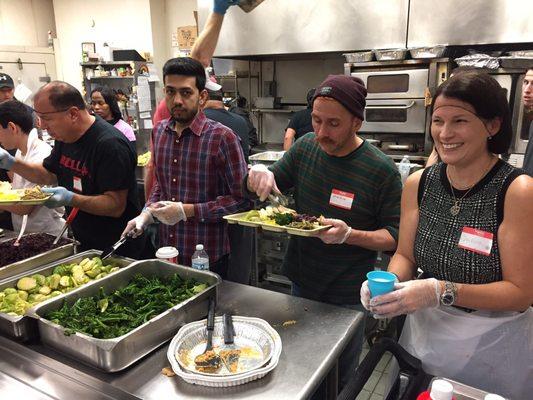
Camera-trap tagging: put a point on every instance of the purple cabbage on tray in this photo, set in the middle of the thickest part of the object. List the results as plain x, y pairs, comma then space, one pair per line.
30, 245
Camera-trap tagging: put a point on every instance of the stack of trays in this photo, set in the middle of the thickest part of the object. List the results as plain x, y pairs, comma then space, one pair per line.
259, 345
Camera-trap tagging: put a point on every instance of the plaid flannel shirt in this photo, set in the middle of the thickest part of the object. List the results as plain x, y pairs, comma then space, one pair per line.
205, 166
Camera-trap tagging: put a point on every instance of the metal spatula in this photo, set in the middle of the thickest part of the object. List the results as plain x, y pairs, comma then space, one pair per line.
22, 229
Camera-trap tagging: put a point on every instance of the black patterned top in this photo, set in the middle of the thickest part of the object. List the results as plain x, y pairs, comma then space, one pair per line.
436, 250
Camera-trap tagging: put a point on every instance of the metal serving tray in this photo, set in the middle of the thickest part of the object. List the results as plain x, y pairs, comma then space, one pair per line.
23, 266
22, 327
113, 355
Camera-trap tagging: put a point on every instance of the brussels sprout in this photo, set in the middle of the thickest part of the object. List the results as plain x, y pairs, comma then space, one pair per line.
23, 295
65, 281
199, 288
114, 269
53, 281
45, 290
11, 298
63, 269
87, 264
2, 295
97, 261
27, 283
93, 272
101, 275
39, 297
77, 269
9, 290
55, 293
40, 279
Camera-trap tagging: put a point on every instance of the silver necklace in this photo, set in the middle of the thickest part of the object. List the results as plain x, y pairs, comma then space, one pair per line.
456, 208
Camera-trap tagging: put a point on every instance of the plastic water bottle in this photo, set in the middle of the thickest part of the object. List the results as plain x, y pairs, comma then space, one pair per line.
200, 259
404, 168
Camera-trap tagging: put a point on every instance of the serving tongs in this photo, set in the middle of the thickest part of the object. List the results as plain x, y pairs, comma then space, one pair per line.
69, 220
22, 229
112, 249
209, 361
229, 352
278, 199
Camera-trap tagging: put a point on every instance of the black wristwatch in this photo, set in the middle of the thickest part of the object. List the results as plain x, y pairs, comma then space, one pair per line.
447, 298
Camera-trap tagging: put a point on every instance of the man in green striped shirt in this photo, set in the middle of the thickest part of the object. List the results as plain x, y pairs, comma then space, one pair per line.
336, 174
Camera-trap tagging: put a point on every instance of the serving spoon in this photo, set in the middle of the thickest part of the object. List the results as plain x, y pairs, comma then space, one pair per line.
22, 229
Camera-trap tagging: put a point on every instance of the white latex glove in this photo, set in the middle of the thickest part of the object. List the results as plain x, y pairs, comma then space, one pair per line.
406, 298
261, 181
138, 224
168, 212
365, 295
337, 234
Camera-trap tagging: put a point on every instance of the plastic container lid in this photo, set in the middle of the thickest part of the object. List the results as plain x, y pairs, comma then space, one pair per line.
167, 252
492, 396
441, 390
199, 247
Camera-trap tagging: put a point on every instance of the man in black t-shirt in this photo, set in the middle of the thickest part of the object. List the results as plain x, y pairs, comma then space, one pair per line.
300, 123
93, 164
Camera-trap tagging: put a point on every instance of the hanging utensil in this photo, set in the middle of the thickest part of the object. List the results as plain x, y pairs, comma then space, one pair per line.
22, 229
209, 361
229, 352
112, 249
69, 220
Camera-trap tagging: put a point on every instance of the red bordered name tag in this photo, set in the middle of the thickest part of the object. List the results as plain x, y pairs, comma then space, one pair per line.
341, 199
77, 184
476, 240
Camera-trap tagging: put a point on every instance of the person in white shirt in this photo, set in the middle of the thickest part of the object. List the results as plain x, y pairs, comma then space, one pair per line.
17, 132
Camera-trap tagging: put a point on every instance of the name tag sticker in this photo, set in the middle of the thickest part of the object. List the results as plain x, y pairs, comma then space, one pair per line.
341, 199
77, 184
476, 240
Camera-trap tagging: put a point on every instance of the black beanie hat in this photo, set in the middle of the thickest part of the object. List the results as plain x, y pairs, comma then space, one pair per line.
347, 90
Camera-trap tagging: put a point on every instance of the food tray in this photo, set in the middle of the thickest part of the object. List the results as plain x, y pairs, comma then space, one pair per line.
266, 157
361, 56
428, 52
22, 327
238, 219
115, 354
390, 54
516, 62
270, 339
23, 266
33, 202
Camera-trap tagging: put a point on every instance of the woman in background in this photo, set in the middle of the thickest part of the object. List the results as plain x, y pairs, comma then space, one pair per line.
104, 104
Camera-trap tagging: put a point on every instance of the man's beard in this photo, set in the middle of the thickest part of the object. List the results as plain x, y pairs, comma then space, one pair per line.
186, 117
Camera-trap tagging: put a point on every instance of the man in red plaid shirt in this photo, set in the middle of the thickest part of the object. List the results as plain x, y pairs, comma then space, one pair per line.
199, 170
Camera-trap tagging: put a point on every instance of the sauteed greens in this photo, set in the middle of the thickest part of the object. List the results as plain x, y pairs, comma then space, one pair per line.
109, 316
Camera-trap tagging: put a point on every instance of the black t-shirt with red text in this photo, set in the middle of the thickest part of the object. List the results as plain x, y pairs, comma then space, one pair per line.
101, 160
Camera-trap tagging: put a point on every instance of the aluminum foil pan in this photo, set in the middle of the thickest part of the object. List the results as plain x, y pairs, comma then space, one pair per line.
260, 342
428, 52
255, 344
361, 56
390, 54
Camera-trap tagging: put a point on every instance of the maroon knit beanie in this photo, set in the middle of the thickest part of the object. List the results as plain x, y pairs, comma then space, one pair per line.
347, 90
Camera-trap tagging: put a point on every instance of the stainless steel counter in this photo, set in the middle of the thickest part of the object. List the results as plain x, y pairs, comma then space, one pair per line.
313, 336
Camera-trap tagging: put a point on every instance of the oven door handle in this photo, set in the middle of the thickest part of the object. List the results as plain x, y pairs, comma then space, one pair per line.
393, 107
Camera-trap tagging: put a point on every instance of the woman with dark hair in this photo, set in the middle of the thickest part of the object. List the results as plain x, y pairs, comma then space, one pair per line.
105, 105
466, 223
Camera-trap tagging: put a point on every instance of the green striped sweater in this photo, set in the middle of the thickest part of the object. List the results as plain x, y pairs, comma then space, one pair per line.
334, 273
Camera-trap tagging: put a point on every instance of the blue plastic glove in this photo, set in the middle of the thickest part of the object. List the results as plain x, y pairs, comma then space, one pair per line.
221, 6
6, 159
60, 197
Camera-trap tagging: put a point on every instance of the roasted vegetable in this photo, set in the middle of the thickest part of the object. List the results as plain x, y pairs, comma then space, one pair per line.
30, 245
36, 288
111, 315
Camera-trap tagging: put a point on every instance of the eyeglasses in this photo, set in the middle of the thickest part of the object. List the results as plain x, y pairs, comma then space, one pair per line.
39, 114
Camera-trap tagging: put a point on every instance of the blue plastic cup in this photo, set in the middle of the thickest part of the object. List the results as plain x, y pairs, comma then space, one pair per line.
380, 282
